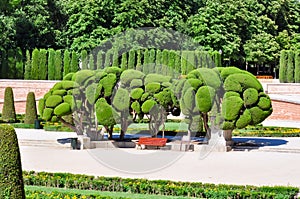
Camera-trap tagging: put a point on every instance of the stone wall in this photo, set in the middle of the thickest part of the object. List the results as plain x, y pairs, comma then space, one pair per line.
21, 88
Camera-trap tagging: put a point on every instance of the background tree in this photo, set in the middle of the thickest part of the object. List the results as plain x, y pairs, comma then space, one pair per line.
297, 66
51, 64
67, 62
58, 65
11, 179
8, 110
43, 65
290, 67
35, 64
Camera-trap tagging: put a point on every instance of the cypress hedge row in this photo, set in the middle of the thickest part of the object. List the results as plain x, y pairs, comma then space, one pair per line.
50, 64
289, 69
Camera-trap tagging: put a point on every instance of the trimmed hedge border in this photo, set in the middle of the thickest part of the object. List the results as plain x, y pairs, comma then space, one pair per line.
155, 187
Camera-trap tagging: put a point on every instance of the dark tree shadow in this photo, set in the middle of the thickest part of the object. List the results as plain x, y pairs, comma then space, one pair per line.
241, 144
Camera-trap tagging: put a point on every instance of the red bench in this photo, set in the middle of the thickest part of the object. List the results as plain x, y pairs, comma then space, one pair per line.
148, 141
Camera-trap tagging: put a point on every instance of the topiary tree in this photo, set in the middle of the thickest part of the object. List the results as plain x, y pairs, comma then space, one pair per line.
283, 66
8, 110
51, 66
11, 180
74, 62
84, 59
31, 112
290, 67
43, 65
27, 71
100, 55
58, 65
297, 66
131, 59
67, 62
35, 64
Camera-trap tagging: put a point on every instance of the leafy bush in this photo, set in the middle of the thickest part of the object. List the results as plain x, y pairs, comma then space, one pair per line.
155, 187
8, 110
31, 112
11, 180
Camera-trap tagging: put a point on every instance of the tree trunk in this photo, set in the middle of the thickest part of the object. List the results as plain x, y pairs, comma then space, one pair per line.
206, 127
227, 134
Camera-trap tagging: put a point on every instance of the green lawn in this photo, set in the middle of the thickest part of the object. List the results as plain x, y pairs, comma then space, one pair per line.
33, 192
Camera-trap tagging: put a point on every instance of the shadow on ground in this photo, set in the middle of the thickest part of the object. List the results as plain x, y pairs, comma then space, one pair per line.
241, 144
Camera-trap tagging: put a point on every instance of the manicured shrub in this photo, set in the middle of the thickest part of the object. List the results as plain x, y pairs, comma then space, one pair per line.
51, 66
121, 100
74, 62
264, 103
62, 109
67, 62
231, 107
131, 59
231, 93
195, 83
165, 62
135, 83
250, 96
157, 78
240, 82
91, 62
47, 114
41, 106
81, 76
136, 107
187, 102
225, 72
43, 65
8, 110
257, 115
290, 67
283, 66
146, 62
136, 93
184, 62
27, 73
128, 75
108, 84
205, 98
60, 92
208, 76
152, 87
11, 179
31, 112
104, 112
35, 64
84, 59
297, 66
58, 65
53, 100
100, 55
228, 125
148, 105
244, 120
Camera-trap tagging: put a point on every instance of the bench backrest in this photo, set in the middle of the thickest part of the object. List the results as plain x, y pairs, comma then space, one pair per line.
153, 141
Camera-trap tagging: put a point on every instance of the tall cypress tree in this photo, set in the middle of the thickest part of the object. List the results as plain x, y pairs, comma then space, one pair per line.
43, 65
165, 62
91, 62
115, 56
84, 59
51, 66
297, 66
139, 60
146, 62
35, 64
58, 65
27, 72
290, 67
67, 62
158, 61
283, 66
108, 58
131, 59
74, 62
124, 64
100, 59
8, 109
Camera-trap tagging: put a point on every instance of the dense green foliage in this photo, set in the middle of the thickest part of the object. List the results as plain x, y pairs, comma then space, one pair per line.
8, 110
31, 112
11, 179
155, 187
289, 71
251, 31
